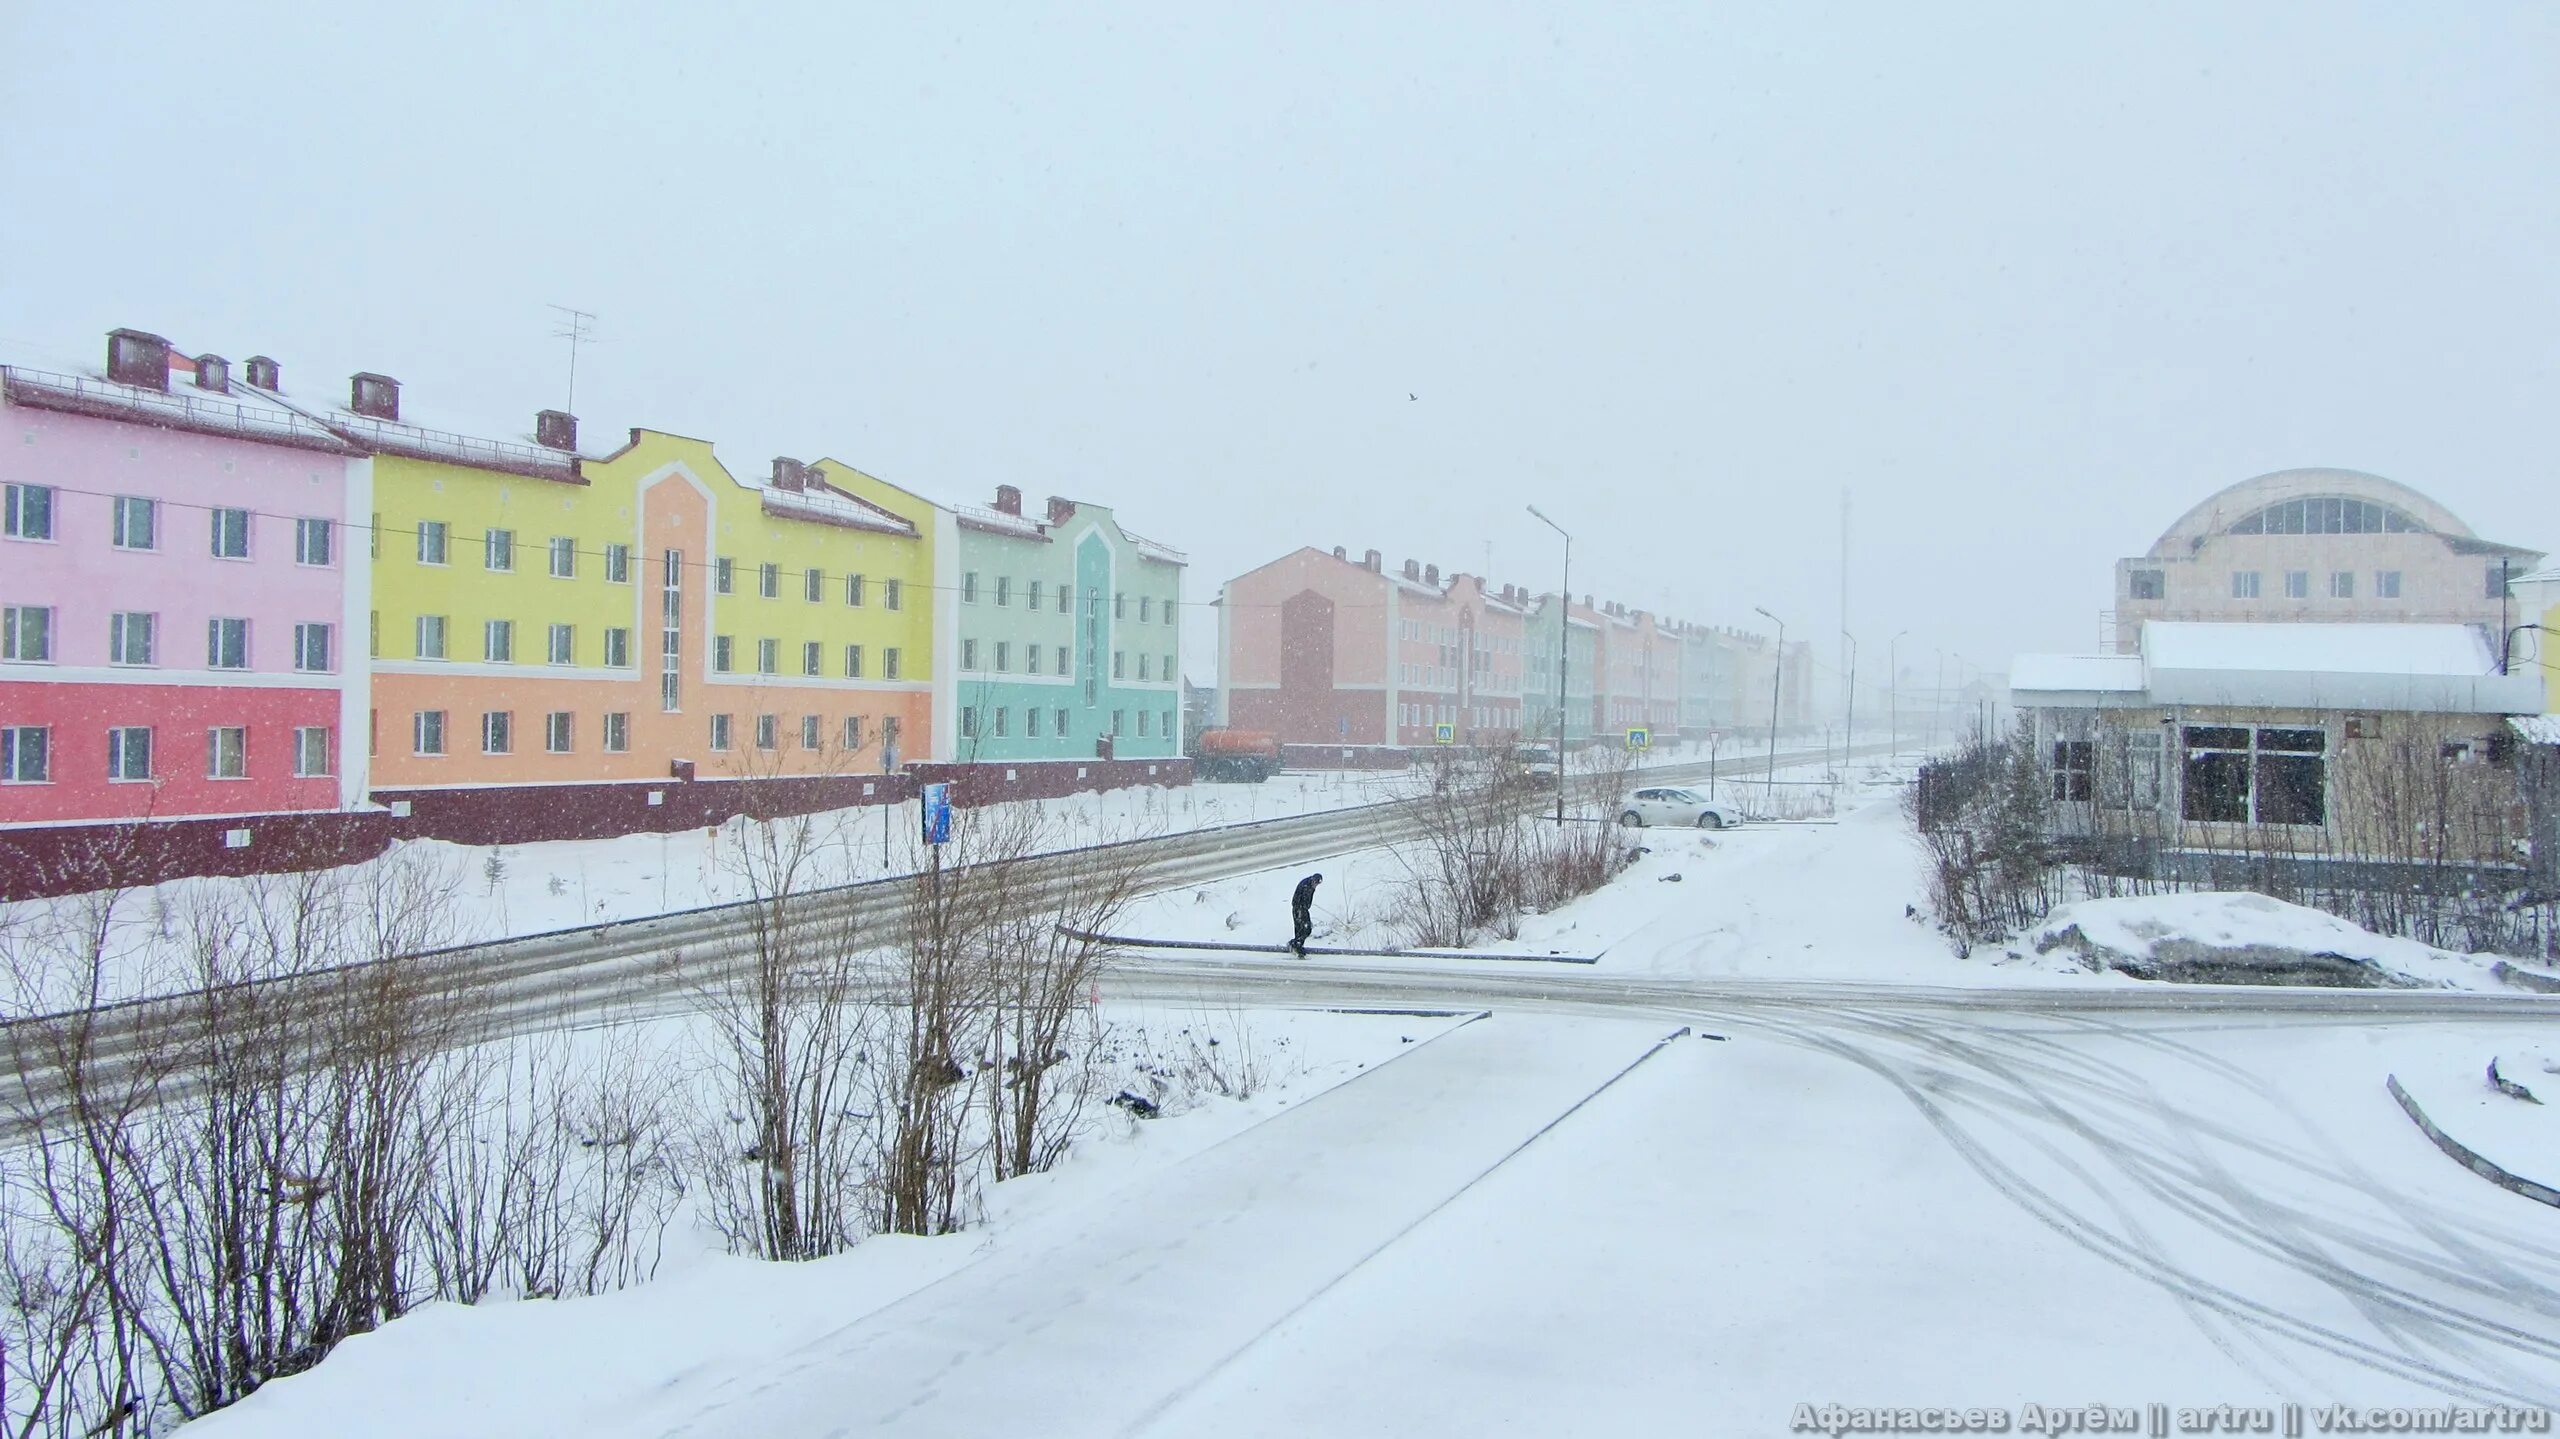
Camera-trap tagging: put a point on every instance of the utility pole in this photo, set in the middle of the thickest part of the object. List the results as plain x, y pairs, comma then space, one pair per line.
1777, 663
1564, 638
578, 327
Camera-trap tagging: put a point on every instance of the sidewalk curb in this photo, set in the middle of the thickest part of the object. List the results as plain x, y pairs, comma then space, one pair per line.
2465, 1156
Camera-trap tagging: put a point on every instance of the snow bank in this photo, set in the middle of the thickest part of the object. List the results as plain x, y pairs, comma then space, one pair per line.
2217, 937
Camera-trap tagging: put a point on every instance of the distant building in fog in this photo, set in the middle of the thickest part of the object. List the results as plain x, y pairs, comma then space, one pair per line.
2317, 545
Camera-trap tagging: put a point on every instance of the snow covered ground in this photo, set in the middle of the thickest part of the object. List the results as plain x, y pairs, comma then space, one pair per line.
552, 1368
1536, 1224
1546, 1226
2173, 935
2448, 1075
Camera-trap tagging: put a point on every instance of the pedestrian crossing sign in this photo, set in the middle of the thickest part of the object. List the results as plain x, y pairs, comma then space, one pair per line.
1639, 738
1444, 734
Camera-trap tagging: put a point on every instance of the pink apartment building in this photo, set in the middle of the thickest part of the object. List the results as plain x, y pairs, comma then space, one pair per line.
1325, 650
181, 617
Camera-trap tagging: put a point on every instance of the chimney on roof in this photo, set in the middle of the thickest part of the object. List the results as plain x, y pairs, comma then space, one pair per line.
1431, 575
1413, 569
265, 373
1008, 499
376, 396
138, 357
1340, 553
789, 474
1061, 510
556, 430
213, 373
1373, 562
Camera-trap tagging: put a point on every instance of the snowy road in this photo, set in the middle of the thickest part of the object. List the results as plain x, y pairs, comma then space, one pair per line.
1869, 1207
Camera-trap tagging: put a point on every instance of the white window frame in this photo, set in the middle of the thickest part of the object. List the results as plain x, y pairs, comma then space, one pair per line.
220, 521
426, 725
769, 580
497, 732
559, 731
498, 642
768, 656
435, 543
305, 738
498, 551
853, 662
22, 762
120, 742
216, 629
314, 640
616, 731
564, 557
617, 564
721, 733
18, 503
315, 542
435, 626
617, 647
124, 629
768, 732
813, 732
560, 644
226, 743
136, 514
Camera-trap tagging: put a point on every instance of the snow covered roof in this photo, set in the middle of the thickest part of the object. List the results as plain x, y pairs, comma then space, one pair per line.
2538, 729
2067, 673
2426, 669
980, 517
830, 507
241, 413
1162, 554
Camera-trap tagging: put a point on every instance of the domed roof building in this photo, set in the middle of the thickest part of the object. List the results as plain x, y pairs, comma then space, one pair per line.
2318, 545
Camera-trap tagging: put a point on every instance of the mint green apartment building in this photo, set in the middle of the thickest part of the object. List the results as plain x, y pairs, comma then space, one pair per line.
1064, 635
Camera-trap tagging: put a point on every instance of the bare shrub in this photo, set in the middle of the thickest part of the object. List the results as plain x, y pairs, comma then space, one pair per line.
783, 1177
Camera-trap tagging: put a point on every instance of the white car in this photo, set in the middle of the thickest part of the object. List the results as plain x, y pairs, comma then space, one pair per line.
1685, 807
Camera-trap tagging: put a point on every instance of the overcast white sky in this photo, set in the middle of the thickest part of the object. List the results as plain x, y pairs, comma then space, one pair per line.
2028, 279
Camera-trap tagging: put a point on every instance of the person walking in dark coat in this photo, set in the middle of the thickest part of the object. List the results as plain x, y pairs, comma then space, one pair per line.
1302, 907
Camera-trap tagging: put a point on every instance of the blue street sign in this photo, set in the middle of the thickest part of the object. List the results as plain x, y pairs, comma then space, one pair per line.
937, 813
1639, 739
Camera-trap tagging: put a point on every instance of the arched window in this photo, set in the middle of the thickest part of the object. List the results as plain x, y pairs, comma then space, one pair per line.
2328, 515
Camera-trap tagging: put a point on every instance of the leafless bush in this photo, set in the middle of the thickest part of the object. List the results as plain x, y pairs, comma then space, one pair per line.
1044, 973
1484, 852
783, 1177
1982, 816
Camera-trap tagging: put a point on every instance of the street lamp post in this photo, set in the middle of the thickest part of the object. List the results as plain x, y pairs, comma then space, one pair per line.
1564, 638
1849, 722
1893, 690
1937, 701
1777, 664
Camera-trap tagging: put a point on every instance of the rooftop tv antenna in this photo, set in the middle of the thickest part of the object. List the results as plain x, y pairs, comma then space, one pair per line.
578, 327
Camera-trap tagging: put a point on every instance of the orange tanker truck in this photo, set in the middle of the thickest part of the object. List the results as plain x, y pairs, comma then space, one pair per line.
1234, 756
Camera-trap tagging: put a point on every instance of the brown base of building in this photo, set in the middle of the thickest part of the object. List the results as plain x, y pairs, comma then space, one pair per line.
531, 814
38, 863
1344, 756
75, 859
992, 781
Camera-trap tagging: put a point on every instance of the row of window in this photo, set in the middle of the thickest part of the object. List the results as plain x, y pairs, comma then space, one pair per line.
27, 753
27, 513
815, 584
1000, 718
1035, 594
813, 658
133, 638
1481, 716
2233, 774
427, 732
1148, 668
2297, 584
